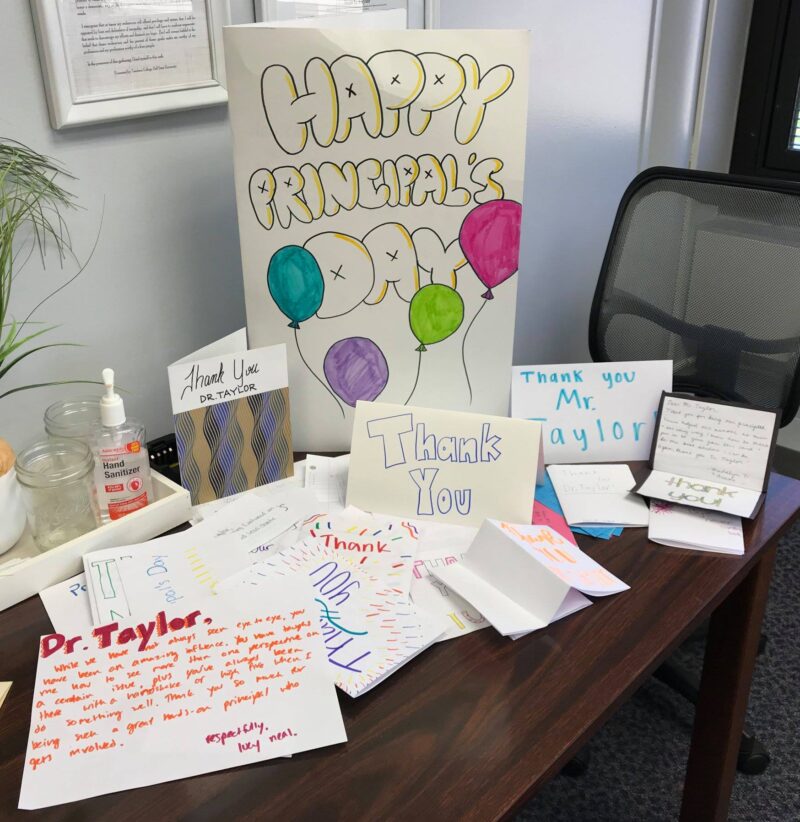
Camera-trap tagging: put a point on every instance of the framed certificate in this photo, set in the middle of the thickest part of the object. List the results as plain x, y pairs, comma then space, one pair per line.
358, 14
117, 59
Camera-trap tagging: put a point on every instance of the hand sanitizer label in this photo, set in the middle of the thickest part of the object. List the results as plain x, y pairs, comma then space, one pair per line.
119, 477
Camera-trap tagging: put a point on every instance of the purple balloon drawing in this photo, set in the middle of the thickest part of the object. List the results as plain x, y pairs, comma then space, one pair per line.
356, 369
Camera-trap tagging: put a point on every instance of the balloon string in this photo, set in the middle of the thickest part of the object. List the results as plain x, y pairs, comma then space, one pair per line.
335, 399
419, 367
464, 347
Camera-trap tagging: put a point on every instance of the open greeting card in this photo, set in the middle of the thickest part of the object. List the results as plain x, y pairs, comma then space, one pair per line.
711, 454
523, 577
598, 495
445, 466
231, 413
235, 680
592, 412
682, 527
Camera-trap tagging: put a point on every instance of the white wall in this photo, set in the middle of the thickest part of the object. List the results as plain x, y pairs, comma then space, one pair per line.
589, 72
166, 275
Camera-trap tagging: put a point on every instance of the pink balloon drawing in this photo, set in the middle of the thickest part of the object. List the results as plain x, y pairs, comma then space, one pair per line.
356, 369
489, 238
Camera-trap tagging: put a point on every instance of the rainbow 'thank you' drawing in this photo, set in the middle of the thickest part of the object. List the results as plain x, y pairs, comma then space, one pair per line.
379, 182
446, 466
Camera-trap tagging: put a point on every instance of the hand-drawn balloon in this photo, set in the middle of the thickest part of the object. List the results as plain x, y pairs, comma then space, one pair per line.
356, 369
436, 312
489, 238
295, 283
347, 271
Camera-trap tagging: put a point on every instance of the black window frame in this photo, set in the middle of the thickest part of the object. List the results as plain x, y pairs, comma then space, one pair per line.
768, 101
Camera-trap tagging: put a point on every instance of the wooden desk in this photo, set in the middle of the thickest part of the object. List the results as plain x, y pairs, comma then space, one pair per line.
473, 727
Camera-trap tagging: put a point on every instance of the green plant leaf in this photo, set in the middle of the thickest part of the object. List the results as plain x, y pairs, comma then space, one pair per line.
7, 367
10, 344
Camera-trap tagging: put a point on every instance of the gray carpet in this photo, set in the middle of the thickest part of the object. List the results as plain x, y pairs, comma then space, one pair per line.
638, 759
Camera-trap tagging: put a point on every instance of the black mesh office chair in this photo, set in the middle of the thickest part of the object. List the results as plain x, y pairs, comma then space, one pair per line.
704, 269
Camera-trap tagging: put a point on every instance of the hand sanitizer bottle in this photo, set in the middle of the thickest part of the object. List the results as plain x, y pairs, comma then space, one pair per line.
121, 463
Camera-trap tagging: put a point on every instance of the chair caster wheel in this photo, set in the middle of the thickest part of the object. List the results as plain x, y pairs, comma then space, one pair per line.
753, 757
577, 766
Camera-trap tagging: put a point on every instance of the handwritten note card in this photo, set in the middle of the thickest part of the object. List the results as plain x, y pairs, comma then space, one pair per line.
185, 692
682, 527
598, 495
592, 412
139, 579
523, 577
231, 413
370, 629
711, 454
442, 465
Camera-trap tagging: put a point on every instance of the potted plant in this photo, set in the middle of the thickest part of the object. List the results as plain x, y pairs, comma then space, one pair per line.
32, 208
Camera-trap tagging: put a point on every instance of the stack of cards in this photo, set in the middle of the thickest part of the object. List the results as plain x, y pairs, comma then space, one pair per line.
140, 579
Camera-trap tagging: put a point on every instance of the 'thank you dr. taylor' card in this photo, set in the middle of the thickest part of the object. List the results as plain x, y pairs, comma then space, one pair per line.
446, 466
231, 412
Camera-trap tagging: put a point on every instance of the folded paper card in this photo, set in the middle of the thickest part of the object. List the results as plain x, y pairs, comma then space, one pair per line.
121, 707
370, 629
231, 414
682, 527
445, 466
137, 579
68, 606
598, 495
711, 454
523, 577
592, 412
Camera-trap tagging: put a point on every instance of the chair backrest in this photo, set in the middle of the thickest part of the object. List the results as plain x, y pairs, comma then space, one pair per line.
704, 269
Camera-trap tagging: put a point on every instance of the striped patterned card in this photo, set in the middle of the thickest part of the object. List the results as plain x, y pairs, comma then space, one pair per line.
232, 421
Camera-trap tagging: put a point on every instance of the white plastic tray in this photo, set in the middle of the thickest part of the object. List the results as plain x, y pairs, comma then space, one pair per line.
25, 570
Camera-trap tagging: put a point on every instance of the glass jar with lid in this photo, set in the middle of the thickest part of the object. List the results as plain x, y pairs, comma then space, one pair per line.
73, 418
57, 488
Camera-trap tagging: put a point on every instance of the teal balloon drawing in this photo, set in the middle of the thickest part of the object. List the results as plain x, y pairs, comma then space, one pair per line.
295, 283
436, 312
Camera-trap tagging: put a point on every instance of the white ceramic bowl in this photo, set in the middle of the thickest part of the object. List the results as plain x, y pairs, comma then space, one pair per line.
12, 511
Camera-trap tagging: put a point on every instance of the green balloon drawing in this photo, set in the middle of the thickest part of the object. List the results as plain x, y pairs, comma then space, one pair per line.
436, 311
295, 283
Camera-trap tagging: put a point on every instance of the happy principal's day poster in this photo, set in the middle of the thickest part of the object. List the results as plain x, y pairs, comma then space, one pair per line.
379, 180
